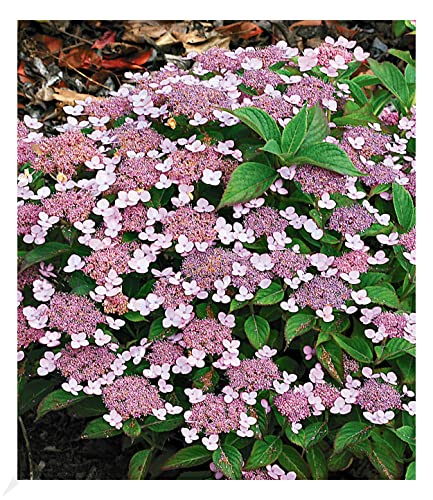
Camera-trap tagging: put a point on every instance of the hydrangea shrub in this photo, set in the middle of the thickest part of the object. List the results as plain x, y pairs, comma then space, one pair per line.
219, 262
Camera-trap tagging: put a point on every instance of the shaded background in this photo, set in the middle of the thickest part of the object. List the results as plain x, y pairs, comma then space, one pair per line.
59, 61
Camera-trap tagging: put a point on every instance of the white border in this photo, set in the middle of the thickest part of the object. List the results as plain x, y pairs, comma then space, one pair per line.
222, 9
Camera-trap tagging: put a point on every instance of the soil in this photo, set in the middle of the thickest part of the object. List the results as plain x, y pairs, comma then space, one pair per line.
57, 450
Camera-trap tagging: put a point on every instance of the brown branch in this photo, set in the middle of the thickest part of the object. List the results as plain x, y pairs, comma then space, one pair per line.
29, 451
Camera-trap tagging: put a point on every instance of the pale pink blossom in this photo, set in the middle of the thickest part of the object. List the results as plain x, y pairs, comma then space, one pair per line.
389, 377
226, 319
213, 178
289, 305
196, 358
266, 352
309, 352
72, 386
351, 277
198, 120
48, 363
407, 392
114, 419
391, 240
354, 242
211, 442
243, 294
379, 417
252, 63
325, 314
74, 264
296, 427
378, 258
249, 397
190, 435
360, 55
340, 407
360, 297
51, 339
79, 340
326, 202
182, 366
410, 407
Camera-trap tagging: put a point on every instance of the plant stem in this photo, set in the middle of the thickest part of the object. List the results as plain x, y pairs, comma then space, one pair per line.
27, 442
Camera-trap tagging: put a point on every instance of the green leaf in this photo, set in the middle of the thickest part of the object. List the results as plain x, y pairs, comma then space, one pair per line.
399, 27
358, 348
403, 206
45, 252
259, 121
361, 116
329, 239
329, 156
356, 91
294, 133
264, 452
371, 278
330, 356
379, 100
366, 80
297, 325
139, 464
404, 55
317, 126
235, 305
131, 428
228, 460
317, 461
291, 460
383, 294
90, 407
157, 331
382, 460
411, 472
32, 392
351, 68
394, 348
340, 461
134, 316
191, 456
257, 330
247, 182
339, 325
81, 284
406, 365
156, 425
272, 147
309, 436
268, 296
57, 400
406, 434
99, 428
351, 433
392, 78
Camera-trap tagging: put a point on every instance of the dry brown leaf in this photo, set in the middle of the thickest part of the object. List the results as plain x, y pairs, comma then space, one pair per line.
241, 29
68, 96
191, 37
305, 23
45, 94
138, 32
166, 39
223, 43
